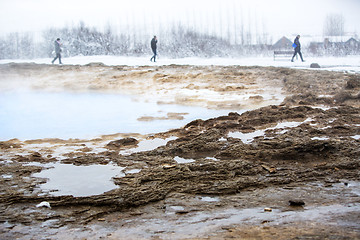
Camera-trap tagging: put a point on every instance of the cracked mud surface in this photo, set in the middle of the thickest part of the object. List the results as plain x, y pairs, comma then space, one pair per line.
234, 167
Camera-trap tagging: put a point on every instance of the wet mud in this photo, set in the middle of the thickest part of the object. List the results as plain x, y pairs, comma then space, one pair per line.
233, 176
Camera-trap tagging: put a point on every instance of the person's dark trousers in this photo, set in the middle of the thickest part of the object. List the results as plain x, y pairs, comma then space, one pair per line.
153, 57
297, 51
58, 56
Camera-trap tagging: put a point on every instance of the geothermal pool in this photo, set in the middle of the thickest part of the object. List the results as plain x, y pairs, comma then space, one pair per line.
37, 115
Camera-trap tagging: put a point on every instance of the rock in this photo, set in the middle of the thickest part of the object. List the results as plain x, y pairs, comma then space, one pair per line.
182, 212
95, 64
122, 142
269, 169
314, 65
35, 157
167, 166
267, 209
6, 145
296, 203
353, 82
197, 122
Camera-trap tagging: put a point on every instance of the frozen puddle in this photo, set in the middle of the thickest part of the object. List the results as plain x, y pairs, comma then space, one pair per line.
249, 137
79, 181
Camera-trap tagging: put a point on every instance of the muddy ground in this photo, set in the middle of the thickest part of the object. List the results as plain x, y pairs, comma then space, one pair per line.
230, 187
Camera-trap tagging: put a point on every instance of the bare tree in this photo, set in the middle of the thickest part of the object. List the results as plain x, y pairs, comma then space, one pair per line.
334, 25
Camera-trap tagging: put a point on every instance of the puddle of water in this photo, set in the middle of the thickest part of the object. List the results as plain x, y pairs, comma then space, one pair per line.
147, 145
58, 150
37, 115
183, 160
79, 181
352, 186
249, 137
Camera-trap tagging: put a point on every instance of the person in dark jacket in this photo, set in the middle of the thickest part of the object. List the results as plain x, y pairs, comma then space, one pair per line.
297, 48
57, 51
153, 48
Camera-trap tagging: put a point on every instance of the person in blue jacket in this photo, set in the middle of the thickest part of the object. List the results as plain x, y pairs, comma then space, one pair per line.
297, 47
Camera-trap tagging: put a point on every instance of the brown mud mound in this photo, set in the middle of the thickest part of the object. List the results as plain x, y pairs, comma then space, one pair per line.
321, 148
213, 176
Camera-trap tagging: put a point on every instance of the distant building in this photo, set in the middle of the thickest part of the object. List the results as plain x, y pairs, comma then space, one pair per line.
352, 43
337, 46
283, 44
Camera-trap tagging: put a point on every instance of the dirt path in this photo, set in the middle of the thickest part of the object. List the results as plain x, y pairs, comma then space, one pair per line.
230, 176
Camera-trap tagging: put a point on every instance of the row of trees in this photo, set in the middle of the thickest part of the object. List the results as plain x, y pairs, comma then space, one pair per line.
334, 25
178, 41
17, 45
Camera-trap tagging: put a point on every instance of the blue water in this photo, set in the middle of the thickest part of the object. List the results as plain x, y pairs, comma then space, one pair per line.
36, 115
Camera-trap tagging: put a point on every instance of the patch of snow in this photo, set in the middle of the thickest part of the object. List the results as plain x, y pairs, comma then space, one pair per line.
320, 138
249, 137
209, 199
356, 137
347, 63
6, 176
183, 160
133, 171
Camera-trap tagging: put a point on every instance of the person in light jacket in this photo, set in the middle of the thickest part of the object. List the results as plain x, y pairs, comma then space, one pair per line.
297, 48
57, 51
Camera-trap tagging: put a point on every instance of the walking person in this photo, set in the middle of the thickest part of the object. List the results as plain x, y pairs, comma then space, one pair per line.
57, 51
153, 48
297, 47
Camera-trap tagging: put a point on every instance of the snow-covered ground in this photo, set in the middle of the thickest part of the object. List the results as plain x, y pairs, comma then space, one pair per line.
348, 63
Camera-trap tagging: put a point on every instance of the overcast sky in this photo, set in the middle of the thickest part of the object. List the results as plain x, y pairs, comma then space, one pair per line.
276, 17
